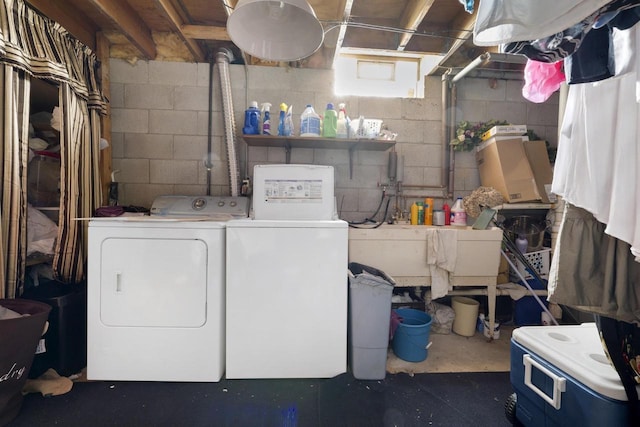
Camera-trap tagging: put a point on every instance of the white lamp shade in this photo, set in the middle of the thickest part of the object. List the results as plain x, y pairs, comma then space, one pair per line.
275, 30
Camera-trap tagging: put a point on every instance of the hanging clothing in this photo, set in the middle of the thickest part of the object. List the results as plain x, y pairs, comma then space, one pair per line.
592, 271
505, 21
598, 154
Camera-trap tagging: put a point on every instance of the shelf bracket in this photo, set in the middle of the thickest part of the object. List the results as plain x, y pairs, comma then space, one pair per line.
287, 153
351, 161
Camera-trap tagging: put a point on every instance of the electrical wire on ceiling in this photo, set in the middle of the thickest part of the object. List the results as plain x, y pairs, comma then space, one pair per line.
330, 25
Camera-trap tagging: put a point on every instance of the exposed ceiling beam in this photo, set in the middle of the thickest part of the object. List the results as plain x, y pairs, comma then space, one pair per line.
132, 26
345, 7
70, 18
412, 16
202, 32
177, 22
464, 25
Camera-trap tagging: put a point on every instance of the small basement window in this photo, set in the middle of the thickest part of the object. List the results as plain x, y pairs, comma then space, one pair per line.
383, 76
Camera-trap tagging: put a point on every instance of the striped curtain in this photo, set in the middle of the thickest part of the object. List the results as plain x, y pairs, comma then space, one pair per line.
40, 48
14, 119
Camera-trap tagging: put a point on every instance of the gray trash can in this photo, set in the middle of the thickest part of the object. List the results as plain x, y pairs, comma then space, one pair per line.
369, 316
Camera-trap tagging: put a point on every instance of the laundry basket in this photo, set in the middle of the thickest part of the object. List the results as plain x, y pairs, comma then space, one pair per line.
19, 339
369, 128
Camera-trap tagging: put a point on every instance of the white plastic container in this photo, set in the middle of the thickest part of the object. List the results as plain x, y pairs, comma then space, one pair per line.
562, 376
458, 214
309, 122
342, 126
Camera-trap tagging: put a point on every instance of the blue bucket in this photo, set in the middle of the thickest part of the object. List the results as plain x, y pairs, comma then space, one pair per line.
411, 338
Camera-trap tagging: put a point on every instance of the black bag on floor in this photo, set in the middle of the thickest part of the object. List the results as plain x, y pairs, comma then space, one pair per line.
19, 339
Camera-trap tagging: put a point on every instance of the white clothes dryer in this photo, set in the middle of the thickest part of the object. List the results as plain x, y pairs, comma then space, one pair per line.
156, 292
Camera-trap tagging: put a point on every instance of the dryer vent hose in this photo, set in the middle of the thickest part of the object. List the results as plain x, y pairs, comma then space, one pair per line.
223, 58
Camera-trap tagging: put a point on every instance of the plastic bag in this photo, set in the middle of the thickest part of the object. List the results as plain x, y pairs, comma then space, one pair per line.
442, 317
541, 79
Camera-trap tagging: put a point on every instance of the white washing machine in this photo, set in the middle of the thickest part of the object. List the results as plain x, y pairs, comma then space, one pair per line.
287, 278
156, 291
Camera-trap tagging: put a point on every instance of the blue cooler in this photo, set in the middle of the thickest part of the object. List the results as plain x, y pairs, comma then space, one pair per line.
561, 377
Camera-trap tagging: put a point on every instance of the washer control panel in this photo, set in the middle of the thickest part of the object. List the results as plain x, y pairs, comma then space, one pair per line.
193, 206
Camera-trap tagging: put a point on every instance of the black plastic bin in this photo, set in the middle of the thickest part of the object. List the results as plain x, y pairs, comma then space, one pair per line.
66, 340
19, 339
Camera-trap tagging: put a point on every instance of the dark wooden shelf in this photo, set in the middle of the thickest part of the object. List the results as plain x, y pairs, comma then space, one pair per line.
313, 142
289, 142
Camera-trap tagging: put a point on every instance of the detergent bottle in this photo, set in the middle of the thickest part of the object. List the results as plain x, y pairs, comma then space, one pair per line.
309, 122
266, 121
330, 123
458, 213
252, 120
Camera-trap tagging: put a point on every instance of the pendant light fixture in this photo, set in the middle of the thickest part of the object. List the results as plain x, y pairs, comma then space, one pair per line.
275, 30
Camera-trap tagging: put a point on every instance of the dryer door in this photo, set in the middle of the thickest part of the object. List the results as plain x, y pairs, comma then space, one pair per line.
153, 282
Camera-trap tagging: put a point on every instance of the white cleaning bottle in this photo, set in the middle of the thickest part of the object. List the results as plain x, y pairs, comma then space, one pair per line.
522, 243
342, 127
458, 213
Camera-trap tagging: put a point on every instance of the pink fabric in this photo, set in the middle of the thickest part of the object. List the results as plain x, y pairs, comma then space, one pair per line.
541, 79
394, 322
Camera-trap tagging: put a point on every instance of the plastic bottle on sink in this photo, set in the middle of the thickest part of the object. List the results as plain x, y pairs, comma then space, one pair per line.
458, 213
447, 214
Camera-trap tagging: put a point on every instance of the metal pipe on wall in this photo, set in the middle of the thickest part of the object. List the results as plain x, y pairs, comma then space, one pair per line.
446, 126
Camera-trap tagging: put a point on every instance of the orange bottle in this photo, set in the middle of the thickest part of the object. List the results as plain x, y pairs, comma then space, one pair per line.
428, 212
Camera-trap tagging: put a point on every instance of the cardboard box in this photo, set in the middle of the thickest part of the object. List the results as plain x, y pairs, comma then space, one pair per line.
504, 130
519, 169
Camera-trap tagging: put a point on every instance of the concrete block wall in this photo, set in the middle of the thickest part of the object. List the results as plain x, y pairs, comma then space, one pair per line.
160, 124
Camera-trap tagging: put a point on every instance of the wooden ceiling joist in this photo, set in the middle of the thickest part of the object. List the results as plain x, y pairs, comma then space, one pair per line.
178, 24
73, 21
411, 18
130, 24
202, 32
464, 25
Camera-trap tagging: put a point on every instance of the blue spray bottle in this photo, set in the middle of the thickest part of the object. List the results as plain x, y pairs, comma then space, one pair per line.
266, 121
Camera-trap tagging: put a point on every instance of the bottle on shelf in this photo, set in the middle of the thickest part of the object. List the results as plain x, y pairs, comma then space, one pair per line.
458, 213
330, 123
284, 126
342, 124
309, 122
266, 121
252, 120
447, 213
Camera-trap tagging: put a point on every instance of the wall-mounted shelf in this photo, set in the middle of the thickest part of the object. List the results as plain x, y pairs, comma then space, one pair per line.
289, 142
